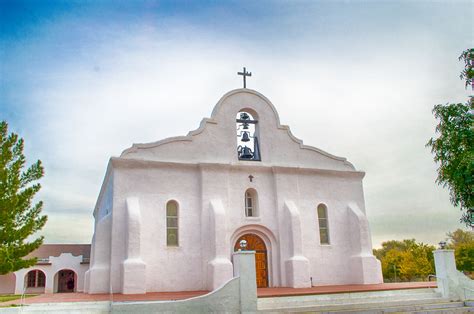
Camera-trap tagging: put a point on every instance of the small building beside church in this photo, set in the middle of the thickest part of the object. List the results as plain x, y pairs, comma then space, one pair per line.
170, 213
59, 268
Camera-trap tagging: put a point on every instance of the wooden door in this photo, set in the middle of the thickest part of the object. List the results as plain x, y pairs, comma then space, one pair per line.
255, 243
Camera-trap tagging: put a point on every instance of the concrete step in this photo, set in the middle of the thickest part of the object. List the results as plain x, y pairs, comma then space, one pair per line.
101, 307
427, 295
369, 306
446, 311
407, 309
445, 307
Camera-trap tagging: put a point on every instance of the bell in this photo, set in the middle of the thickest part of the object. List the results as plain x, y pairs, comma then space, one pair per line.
246, 153
244, 116
245, 126
245, 137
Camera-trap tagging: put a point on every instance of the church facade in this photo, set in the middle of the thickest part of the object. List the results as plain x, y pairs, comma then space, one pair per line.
170, 213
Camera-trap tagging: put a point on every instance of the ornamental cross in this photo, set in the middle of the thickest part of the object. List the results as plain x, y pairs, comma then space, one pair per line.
245, 74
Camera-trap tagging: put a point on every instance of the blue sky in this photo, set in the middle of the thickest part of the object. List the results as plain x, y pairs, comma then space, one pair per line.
83, 80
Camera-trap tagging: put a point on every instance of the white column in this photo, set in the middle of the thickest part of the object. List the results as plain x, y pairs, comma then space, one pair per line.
133, 268
297, 266
20, 281
220, 267
99, 268
445, 266
244, 267
49, 284
365, 267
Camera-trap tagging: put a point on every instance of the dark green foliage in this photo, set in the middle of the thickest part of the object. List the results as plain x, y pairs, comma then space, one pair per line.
462, 242
468, 73
18, 217
454, 152
454, 148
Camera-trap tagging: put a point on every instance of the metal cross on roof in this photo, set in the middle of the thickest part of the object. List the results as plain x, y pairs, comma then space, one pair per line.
245, 74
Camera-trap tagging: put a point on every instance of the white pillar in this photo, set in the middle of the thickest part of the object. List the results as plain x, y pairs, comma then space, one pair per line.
219, 267
446, 272
244, 267
49, 284
297, 266
133, 268
20, 281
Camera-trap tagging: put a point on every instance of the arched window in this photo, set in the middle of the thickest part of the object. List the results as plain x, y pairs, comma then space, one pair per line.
172, 223
248, 147
251, 203
323, 224
35, 278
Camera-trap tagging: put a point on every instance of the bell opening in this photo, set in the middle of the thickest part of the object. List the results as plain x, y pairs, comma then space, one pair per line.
247, 133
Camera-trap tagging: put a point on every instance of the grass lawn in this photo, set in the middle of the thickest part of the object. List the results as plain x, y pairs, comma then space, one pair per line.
9, 297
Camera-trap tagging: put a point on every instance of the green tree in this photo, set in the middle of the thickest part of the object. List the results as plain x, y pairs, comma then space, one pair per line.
467, 74
453, 149
462, 242
405, 260
458, 237
19, 218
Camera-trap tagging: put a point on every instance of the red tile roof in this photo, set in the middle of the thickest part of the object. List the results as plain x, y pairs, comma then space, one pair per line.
47, 250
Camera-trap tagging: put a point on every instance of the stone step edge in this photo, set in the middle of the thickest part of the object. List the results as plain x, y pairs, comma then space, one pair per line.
385, 309
404, 310
323, 298
452, 310
366, 305
64, 304
290, 303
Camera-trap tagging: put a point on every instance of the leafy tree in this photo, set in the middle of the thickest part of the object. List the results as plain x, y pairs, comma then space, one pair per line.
454, 147
405, 260
462, 242
18, 217
459, 237
468, 73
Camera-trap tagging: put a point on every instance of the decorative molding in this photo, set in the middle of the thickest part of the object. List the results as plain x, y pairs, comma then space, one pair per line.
119, 162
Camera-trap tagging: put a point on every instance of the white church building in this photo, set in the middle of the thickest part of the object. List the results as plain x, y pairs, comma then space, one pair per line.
170, 213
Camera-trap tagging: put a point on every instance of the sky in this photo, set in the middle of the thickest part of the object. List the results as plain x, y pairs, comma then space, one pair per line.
81, 81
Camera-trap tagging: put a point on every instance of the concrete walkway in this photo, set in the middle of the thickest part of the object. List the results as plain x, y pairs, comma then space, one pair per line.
262, 293
83, 297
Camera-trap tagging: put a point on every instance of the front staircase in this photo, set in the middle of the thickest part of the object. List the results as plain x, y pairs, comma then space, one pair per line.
425, 300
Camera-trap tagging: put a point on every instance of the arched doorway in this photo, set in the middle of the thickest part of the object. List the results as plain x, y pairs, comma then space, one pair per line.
255, 243
66, 281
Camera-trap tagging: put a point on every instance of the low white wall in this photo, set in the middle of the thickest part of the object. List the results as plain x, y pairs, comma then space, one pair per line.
223, 300
451, 283
238, 295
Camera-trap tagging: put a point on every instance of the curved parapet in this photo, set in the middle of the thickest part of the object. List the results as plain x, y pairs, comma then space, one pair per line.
215, 140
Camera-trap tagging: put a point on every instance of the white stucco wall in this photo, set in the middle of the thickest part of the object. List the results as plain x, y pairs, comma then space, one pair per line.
202, 173
7, 283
